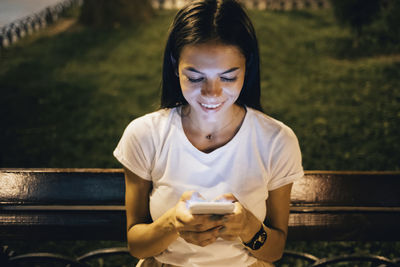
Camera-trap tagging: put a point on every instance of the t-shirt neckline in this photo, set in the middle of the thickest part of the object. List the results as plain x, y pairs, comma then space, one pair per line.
232, 142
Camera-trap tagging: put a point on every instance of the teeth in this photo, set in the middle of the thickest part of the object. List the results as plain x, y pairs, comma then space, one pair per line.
211, 106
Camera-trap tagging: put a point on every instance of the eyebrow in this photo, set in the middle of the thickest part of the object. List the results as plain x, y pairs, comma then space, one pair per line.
225, 72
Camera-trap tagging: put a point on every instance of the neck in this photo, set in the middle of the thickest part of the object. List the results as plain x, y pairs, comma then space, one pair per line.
210, 130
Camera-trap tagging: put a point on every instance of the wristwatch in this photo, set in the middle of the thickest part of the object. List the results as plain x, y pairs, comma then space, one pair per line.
258, 239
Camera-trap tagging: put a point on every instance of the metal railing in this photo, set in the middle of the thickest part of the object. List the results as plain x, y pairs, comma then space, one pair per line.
14, 31
254, 4
7, 258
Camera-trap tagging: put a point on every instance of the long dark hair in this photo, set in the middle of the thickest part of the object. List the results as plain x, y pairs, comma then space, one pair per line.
224, 21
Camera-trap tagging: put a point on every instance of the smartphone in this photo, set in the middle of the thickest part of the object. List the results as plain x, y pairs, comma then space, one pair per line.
211, 207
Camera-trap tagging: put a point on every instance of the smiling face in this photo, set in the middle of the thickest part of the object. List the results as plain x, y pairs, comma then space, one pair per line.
211, 76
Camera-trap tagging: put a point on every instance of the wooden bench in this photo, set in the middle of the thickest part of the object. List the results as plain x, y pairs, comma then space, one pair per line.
88, 204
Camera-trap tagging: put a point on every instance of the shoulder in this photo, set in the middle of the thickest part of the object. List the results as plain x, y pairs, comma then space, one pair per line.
138, 145
279, 149
150, 122
268, 126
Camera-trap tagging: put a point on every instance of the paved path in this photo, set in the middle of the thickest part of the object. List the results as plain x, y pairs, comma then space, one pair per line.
11, 10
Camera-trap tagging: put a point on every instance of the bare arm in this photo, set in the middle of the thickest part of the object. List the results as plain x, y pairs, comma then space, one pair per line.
148, 238
145, 238
276, 225
278, 205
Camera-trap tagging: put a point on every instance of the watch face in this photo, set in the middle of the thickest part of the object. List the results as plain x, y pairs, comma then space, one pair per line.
260, 240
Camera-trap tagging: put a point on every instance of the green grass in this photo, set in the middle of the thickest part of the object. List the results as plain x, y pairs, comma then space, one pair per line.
344, 111
67, 97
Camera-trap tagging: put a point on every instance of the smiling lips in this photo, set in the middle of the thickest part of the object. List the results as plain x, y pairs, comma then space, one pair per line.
211, 106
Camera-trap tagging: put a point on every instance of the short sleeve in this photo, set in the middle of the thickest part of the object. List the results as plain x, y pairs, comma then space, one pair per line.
136, 148
286, 162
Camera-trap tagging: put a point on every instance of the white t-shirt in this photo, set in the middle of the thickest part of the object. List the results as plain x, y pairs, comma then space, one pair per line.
263, 155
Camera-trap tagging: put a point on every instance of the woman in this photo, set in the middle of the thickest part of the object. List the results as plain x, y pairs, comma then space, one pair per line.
210, 140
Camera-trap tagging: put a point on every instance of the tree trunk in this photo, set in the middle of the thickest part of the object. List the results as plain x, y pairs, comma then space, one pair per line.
115, 13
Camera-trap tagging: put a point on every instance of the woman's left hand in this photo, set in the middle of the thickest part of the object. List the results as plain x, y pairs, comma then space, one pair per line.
237, 224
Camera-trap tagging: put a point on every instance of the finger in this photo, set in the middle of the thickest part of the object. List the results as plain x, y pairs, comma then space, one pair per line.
237, 211
229, 237
231, 218
216, 217
196, 238
200, 238
231, 229
227, 196
229, 233
182, 207
198, 226
202, 243
189, 195
183, 215
207, 242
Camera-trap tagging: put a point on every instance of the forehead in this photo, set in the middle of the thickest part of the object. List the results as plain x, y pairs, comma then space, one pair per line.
211, 55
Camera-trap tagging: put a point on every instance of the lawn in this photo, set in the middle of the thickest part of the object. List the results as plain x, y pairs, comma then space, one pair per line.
68, 93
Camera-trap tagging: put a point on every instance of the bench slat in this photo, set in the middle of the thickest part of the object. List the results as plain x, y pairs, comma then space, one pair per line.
363, 189
62, 187
110, 225
86, 186
87, 204
63, 225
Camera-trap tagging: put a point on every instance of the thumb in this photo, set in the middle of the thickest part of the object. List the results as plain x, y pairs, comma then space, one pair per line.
227, 197
191, 195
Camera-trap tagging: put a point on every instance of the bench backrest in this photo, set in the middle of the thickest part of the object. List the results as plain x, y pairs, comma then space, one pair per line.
89, 204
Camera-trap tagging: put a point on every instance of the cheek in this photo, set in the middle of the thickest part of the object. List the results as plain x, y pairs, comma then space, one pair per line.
236, 88
188, 89
184, 86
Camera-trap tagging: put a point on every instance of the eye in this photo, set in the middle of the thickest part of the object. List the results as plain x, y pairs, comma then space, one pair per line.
224, 79
192, 80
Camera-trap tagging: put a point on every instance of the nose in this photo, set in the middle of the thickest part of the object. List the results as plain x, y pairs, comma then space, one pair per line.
211, 88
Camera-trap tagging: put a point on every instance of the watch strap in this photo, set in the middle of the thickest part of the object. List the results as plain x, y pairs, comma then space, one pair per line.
258, 239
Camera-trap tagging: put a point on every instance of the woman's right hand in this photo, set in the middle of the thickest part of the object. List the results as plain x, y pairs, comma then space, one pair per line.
200, 230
